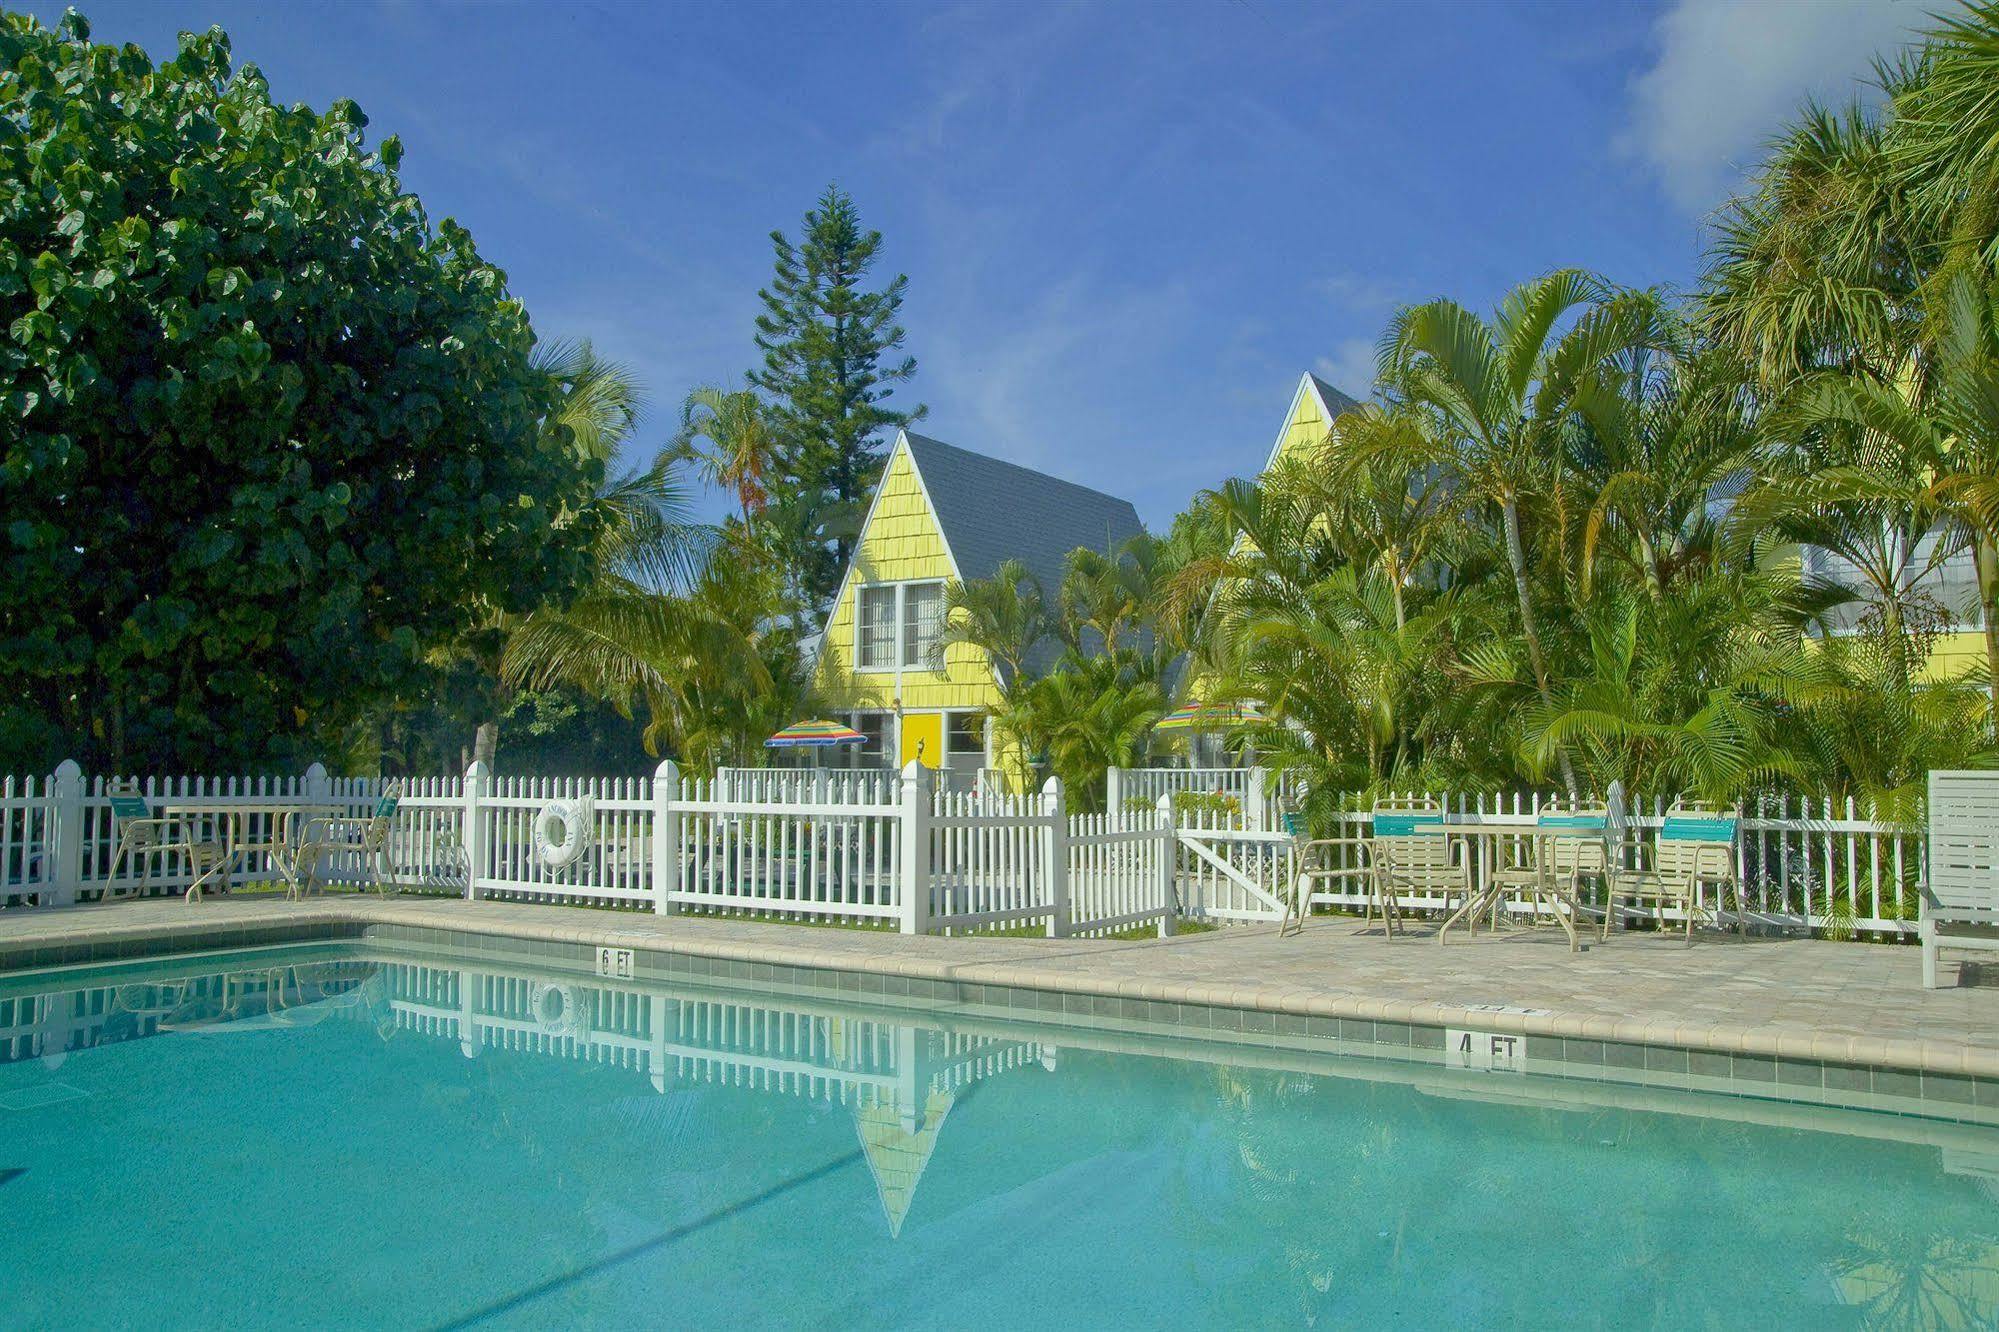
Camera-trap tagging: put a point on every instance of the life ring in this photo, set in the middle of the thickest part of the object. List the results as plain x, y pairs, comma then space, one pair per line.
562, 832
556, 1010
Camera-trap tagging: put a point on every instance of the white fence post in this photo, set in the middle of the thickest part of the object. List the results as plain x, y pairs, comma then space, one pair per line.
65, 833
665, 836
1114, 795
1056, 871
1169, 859
1255, 799
916, 798
316, 786
472, 837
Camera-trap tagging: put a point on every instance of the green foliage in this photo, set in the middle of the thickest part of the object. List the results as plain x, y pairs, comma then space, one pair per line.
274, 438
716, 666
825, 338
1083, 675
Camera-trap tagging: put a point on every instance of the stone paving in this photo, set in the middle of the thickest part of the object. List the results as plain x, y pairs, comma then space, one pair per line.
1792, 998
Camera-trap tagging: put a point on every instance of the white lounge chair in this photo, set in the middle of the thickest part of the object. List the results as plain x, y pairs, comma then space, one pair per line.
1960, 907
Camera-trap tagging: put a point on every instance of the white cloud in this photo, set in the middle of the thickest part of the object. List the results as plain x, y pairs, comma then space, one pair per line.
1731, 73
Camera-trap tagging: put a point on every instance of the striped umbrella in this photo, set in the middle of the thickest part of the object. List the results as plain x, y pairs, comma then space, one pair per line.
1209, 717
814, 735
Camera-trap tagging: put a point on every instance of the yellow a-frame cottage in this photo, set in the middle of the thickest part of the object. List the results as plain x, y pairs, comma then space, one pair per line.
943, 514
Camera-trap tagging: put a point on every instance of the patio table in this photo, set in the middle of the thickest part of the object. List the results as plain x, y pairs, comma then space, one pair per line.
215, 838
1496, 881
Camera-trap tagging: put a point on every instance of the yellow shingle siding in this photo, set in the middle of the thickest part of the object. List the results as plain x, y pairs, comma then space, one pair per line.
1956, 654
1305, 431
901, 543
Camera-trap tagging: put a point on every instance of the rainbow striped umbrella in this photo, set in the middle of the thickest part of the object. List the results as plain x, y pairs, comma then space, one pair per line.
814, 734
1209, 717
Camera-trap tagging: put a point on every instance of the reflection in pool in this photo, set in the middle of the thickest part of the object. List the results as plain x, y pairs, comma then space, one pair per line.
356, 1137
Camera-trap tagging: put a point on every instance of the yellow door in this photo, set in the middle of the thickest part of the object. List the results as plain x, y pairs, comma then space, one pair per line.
923, 738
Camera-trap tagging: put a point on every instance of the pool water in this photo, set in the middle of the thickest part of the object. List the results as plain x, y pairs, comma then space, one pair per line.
344, 1137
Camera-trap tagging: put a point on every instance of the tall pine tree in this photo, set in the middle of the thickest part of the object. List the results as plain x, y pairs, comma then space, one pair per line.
824, 339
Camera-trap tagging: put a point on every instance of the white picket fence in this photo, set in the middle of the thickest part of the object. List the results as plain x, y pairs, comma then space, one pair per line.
819, 785
851, 849
1804, 864
58, 842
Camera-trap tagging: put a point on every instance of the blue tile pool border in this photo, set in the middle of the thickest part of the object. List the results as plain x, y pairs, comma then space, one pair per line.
1949, 1097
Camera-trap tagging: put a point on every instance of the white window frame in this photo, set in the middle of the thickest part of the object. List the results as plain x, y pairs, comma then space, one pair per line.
894, 628
899, 648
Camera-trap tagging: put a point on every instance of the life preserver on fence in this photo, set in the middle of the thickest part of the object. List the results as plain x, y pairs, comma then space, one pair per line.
556, 1010
562, 832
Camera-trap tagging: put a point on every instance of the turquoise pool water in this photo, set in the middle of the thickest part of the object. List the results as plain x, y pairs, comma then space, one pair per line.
341, 1137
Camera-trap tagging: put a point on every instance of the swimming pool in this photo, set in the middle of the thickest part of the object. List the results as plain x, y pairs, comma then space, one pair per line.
360, 1135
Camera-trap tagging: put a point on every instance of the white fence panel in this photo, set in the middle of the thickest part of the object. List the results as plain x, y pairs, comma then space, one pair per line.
840, 858
1121, 872
27, 866
990, 861
857, 846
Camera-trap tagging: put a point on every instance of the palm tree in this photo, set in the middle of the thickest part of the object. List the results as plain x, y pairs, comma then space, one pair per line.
1821, 264
1502, 394
1945, 144
644, 535
1005, 617
1380, 479
716, 665
732, 441
1688, 693
1665, 439
1915, 472
1092, 716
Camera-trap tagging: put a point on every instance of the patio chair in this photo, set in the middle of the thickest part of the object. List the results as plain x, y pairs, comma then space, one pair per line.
367, 835
1303, 849
1695, 849
138, 835
1567, 844
1411, 852
1960, 903
146, 835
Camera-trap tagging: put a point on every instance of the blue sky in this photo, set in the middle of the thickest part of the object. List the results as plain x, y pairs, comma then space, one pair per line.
1128, 228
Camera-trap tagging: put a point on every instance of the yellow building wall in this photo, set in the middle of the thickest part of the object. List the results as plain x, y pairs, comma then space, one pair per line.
1305, 431
902, 543
1956, 654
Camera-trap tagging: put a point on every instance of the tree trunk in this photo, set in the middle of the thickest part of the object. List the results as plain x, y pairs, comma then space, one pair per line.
486, 743
1986, 558
1516, 556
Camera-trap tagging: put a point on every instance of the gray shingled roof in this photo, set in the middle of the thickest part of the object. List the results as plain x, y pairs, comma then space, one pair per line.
1336, 401
993, 511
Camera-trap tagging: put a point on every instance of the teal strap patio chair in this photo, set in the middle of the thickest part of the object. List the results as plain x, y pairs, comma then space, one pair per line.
1411, 854
1695, 850
365, 835
139, 835
1304, 874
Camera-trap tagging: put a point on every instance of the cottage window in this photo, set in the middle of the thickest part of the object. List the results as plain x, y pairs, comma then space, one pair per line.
922, 622
876, 648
